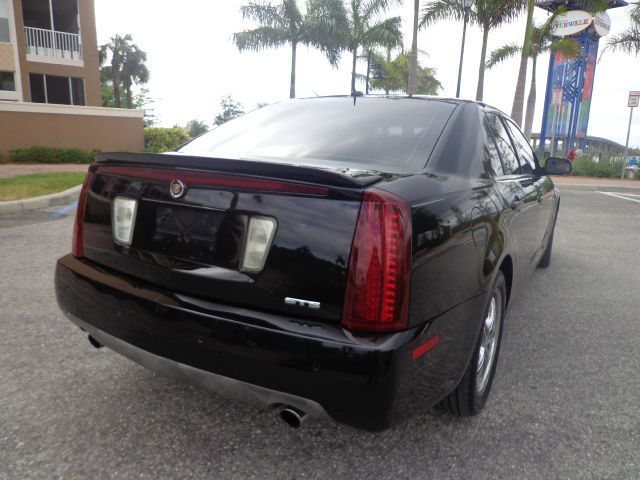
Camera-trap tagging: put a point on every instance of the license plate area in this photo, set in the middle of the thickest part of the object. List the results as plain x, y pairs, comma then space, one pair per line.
200, 235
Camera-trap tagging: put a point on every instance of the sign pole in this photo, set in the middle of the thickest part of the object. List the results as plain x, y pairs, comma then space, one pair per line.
626, 145
634, 101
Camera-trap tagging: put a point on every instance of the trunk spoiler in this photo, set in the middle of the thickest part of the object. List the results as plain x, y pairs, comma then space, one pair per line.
281, 171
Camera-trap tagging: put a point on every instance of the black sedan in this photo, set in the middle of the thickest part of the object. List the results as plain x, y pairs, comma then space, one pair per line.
342, 257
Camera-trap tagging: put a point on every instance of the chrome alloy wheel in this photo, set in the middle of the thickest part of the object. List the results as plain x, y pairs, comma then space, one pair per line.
488, 343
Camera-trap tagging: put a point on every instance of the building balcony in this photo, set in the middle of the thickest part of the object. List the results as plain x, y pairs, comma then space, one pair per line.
51, 46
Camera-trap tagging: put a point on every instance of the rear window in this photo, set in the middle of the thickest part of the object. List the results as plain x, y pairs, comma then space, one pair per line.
387, 134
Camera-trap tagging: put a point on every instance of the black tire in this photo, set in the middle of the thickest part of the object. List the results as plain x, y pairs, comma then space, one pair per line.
470, 396
545, 261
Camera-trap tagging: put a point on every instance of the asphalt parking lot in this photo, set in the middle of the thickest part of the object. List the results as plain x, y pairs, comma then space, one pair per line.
564, 404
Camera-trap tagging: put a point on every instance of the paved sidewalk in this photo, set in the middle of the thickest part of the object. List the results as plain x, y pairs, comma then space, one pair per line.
616, 182
15, 169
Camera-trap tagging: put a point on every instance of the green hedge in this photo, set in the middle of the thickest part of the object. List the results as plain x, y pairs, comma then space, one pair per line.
586, 167
159, 140
52, 155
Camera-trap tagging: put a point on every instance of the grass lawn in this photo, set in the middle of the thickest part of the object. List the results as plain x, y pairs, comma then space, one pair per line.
26, 186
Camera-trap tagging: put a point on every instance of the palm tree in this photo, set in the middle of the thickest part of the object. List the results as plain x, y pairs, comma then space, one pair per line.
284, 23
488, 14
396, 74
115, 48
134, 71
541, 41
627, 41
366, 31
125, 69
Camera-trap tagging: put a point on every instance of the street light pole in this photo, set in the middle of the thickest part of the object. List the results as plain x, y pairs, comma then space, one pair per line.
467, 6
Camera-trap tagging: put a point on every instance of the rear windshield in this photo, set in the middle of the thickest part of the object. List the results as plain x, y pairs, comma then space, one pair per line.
386, 134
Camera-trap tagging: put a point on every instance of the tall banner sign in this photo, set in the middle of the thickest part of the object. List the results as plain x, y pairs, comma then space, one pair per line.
570, 81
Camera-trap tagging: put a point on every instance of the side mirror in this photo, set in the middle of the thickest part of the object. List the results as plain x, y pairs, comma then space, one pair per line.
557, 166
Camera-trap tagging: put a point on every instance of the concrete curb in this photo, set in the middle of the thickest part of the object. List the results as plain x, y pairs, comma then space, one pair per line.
599, 188
36, 203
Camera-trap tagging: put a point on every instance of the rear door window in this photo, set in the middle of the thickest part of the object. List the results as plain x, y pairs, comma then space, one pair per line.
510, 163
527, 157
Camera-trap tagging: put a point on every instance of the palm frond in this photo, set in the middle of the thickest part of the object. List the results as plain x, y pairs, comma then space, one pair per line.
325, 27
501, 54
493, 13
628, 41
260, 38
545, 31
264, 14
386, 33
443, 10
567, 47
373, 8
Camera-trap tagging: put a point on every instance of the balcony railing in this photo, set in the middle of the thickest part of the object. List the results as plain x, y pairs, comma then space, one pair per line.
49, 43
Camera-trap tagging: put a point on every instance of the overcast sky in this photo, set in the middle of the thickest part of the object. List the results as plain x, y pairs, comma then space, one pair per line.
193, 63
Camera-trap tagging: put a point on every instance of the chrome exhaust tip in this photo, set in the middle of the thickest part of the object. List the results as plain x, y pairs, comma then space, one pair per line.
94, 342
293, 417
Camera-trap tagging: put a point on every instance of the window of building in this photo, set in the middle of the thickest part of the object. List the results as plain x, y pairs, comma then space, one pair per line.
7, 82
54, 89
58, 15
4, 22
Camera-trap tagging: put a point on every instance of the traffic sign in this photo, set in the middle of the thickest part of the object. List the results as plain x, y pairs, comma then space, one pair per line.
634, 99
633, 162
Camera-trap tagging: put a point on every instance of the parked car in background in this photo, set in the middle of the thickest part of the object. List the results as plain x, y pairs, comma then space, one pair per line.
349, 257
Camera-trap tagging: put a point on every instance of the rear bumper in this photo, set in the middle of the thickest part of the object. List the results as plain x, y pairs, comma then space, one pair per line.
367, 382
244, 392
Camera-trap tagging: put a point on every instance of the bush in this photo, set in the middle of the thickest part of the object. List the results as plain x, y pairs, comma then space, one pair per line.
637, 175
586, 167
53, 155
157, 140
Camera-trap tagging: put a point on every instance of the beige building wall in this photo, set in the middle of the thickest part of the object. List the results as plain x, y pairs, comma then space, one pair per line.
108, 129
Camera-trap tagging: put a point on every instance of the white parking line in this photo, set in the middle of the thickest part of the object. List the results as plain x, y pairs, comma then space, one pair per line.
623, 196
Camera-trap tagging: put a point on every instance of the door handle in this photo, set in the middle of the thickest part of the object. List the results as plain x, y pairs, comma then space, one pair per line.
516, 203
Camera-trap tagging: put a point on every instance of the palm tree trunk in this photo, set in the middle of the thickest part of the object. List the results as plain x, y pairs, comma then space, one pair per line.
353, 70
115, 74
413, 56
483, 56
518, 97
128, 94
292, 88
531, 101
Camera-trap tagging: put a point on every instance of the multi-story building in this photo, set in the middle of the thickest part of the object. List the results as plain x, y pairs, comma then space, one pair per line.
49, 55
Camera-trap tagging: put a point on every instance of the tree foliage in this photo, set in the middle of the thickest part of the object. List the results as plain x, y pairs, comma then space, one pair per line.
195, 128
366, 31
122, 66
230, 110
285, 23
395, 74
158, 140
628, 41
487, 14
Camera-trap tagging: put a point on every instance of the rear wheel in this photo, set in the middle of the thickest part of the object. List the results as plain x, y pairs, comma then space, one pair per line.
471, 394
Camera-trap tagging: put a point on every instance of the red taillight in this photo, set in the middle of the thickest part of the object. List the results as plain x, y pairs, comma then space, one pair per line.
377, 294
77, 245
